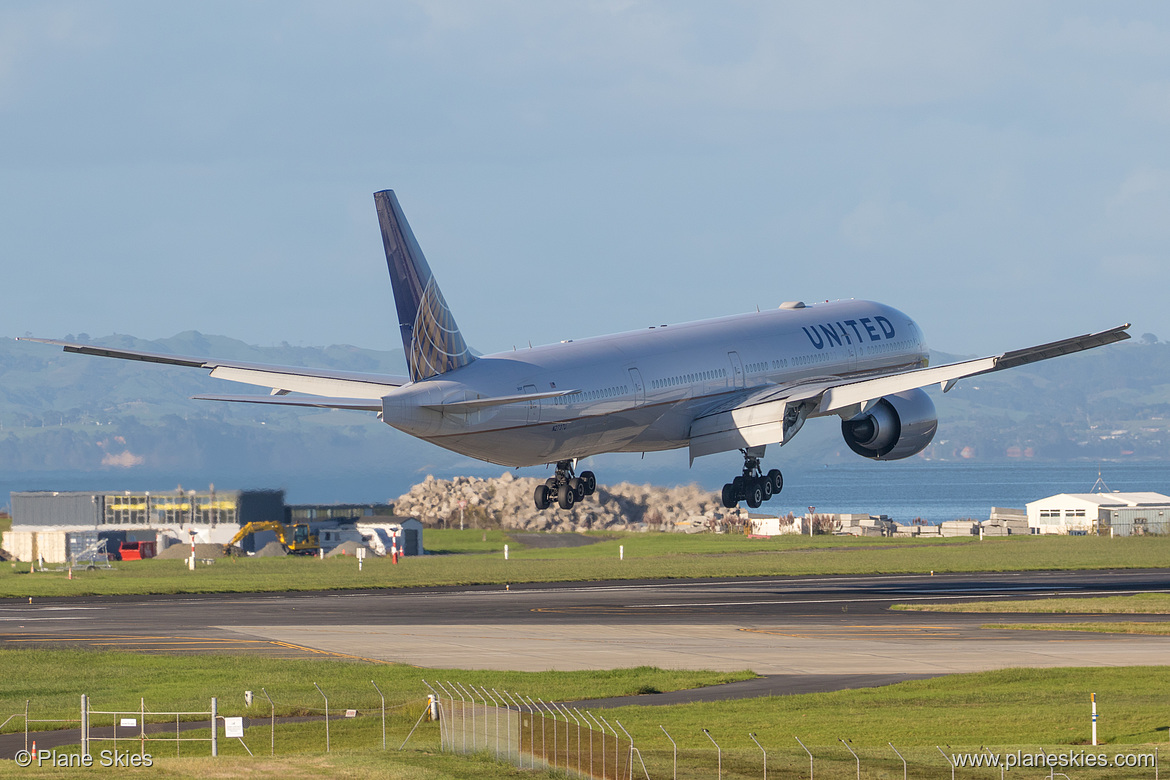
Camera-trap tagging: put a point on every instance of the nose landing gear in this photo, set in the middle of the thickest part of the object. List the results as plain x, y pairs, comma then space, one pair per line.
564, 488
753, 486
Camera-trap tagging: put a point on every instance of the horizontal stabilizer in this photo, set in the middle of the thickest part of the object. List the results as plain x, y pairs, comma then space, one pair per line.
352, 404
298, 379
500, 400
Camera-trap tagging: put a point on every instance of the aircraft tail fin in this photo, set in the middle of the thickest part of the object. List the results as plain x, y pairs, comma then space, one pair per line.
430, 336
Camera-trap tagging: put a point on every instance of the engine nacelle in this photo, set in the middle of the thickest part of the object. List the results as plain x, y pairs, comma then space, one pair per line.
896, 427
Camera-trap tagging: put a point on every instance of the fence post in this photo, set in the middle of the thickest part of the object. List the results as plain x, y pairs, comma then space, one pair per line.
602, 730
214, 728
519, 728
891, 744
26, 724
632, 749
142, 726
719, 749
84, 725
952, 766
326, 698
846, 744
672, 742
379, 690
272, 724
485, 720
617, 744
1002, 769
806, 750
569, 738
507, 718
765, 752
532, 704
473, 733
496, 706
463, 713
569, 710
554, 720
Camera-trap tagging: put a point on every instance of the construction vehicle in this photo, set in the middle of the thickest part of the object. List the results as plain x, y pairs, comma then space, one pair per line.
299, 542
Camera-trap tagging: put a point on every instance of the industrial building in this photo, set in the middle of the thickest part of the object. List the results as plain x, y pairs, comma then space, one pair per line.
57, 526
1105, 514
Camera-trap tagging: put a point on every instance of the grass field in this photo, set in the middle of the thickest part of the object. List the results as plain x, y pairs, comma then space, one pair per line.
1000, 710
1151, 629
467, 558
1137, 604
55, 679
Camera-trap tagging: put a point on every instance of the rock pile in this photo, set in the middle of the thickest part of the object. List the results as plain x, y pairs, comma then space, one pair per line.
506, 502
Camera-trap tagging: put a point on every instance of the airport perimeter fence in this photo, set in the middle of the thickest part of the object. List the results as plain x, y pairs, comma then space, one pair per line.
346, 721
542, 736
539, 735
533, 733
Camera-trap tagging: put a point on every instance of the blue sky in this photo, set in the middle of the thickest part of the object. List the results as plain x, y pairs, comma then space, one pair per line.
999, 171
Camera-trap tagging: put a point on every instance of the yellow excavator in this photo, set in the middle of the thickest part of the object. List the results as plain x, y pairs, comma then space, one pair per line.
299, 542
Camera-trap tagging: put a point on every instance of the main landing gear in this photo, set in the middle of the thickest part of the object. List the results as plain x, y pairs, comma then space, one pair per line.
564, 488
754, 486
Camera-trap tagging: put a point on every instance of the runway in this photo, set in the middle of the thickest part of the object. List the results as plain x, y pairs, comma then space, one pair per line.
831, 627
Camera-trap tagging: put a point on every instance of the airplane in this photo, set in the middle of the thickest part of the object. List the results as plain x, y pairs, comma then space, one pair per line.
741, 382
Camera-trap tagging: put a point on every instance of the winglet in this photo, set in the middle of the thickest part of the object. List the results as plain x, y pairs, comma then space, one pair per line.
430, 336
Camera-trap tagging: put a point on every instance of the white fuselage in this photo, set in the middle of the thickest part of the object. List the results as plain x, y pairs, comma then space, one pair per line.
641, 390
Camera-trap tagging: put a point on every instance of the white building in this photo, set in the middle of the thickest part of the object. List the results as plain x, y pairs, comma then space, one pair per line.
1089, 513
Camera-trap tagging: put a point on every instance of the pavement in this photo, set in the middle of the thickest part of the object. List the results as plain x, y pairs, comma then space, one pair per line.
829, 629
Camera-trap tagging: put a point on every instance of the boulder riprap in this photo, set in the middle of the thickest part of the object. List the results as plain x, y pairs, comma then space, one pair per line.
506, 502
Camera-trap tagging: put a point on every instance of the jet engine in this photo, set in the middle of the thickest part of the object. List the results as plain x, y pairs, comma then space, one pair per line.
896, 427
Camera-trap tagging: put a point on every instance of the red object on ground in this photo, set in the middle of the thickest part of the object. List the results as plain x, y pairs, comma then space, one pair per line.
138, 551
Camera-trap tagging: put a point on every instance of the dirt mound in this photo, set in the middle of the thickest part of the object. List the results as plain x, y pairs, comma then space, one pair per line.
180, 551
348, 548
271, 550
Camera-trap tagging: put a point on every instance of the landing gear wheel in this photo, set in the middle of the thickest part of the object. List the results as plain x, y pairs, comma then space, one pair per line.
729, 499
578, 488
551, 484
590, 482
755, 494
777, 480
540, 497
739, 485
566, 496
766, 487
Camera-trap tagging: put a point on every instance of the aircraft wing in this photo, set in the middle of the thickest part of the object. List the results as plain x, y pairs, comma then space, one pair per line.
282, 379
773, 415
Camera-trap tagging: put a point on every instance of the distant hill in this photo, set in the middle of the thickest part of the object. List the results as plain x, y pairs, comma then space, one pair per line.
63, 413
